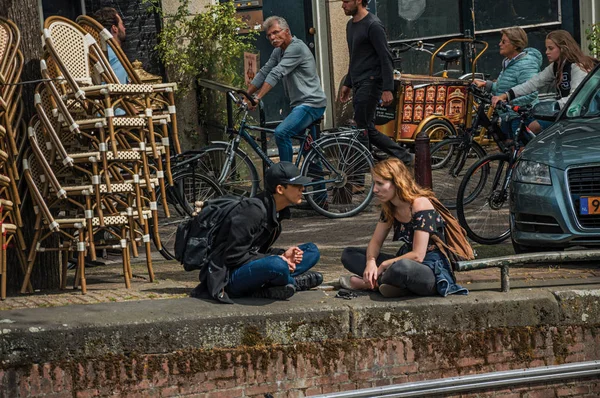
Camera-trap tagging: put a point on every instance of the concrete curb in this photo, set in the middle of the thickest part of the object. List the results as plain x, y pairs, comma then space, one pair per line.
163, 326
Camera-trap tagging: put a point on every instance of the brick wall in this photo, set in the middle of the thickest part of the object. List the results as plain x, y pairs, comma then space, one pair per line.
141, 28
314, 368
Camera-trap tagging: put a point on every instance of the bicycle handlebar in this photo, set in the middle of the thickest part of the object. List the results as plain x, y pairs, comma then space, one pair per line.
417, 45
520, 109
486, 97
237, 100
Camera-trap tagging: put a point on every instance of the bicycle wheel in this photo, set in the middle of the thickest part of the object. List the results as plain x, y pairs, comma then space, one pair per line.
241, 178
449, 164
443, 152
485, 213
344, 166
438, 129
188, 188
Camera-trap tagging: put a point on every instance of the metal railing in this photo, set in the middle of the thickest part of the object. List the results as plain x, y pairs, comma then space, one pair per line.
461, 384
570, 256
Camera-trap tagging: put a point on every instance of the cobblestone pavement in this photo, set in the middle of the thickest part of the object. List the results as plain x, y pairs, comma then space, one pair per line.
105, 283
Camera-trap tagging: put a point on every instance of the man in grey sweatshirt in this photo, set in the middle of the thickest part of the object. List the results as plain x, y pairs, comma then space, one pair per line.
291, 62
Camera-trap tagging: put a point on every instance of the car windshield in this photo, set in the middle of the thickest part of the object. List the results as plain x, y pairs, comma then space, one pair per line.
587, 101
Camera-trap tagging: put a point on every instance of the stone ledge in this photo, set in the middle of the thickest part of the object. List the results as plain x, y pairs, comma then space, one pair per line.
164, 326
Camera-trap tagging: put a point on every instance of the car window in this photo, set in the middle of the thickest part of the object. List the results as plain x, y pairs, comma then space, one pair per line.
587, 101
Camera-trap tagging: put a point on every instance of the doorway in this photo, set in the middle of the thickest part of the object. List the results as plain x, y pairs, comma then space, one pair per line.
299, 15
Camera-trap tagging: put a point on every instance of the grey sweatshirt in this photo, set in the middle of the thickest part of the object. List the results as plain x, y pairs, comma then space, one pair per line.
297, 68
545, 78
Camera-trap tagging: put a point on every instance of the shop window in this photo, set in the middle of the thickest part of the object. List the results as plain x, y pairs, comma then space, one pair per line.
504, 13
408, 19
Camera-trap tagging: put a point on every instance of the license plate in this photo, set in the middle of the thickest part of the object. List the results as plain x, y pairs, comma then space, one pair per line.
589, 205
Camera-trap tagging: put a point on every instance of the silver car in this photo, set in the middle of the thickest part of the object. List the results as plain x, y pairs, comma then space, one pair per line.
555, 192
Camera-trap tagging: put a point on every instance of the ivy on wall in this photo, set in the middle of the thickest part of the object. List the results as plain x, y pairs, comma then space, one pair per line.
592, 34
207, 45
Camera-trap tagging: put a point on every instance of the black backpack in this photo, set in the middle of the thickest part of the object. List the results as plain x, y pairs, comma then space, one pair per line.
195, 239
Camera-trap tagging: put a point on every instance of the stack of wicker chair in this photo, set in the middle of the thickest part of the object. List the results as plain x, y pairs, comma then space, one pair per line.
11, 138
98, 155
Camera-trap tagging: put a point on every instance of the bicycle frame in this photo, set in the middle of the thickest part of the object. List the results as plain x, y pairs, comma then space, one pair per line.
512, 160
308, 143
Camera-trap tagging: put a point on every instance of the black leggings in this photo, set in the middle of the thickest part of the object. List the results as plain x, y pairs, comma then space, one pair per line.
409, 275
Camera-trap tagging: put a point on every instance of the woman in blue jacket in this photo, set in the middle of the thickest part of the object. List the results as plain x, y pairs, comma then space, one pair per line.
568, 67
520, 64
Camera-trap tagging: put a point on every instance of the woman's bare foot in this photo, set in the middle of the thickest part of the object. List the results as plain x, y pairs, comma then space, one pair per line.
358, 283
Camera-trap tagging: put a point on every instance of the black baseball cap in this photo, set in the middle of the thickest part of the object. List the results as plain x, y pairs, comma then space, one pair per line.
284, 173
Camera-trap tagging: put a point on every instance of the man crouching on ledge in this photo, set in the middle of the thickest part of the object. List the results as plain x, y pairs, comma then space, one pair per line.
249, 265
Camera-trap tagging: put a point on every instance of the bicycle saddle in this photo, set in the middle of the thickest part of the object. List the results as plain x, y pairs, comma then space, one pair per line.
450, 55
317, 122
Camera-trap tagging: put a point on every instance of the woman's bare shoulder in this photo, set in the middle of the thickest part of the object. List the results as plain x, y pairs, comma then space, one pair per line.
421, 203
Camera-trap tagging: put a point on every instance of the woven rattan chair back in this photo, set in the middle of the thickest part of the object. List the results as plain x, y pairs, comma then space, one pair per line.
5, 48
15, 40
105, 38
70, 45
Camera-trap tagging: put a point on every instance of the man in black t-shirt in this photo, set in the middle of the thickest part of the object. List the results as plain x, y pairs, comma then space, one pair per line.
370, 74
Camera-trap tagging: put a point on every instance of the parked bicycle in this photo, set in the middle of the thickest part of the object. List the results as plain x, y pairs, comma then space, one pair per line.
336, 161
482, 199
452, 157
448, 57
189, 189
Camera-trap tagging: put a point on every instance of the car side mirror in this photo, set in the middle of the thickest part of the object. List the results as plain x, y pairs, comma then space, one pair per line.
546, 110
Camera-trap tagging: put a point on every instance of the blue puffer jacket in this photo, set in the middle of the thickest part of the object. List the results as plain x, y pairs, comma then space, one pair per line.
516, 71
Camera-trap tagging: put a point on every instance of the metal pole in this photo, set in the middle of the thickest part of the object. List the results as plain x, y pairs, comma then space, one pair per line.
423, 160
229, 112
504, 279
570, 256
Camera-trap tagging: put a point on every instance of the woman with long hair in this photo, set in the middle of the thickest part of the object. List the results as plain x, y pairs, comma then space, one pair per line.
568, 67
419, 267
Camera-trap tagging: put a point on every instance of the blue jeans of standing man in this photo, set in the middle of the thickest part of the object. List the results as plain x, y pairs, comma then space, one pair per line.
270, 271
295, 123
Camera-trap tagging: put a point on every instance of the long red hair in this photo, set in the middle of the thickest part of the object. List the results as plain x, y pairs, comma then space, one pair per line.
407, 188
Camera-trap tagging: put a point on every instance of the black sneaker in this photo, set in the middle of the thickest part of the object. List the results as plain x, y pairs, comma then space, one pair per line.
308, 280
196, 292
276, 292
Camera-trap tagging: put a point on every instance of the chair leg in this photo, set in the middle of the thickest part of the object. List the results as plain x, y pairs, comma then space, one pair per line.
163, 192
146, 240
81, 260
2, 264
167, 154
31, 260
90, 228
131, 231
64, 267
150, 122
126, 259
22, 259
103, 148
174, 132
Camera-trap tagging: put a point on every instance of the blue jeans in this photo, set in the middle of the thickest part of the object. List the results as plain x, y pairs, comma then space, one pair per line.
295, 123
270, 271
509, 127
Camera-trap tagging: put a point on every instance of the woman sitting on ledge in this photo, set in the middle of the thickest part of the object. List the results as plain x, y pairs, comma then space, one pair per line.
419, 267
